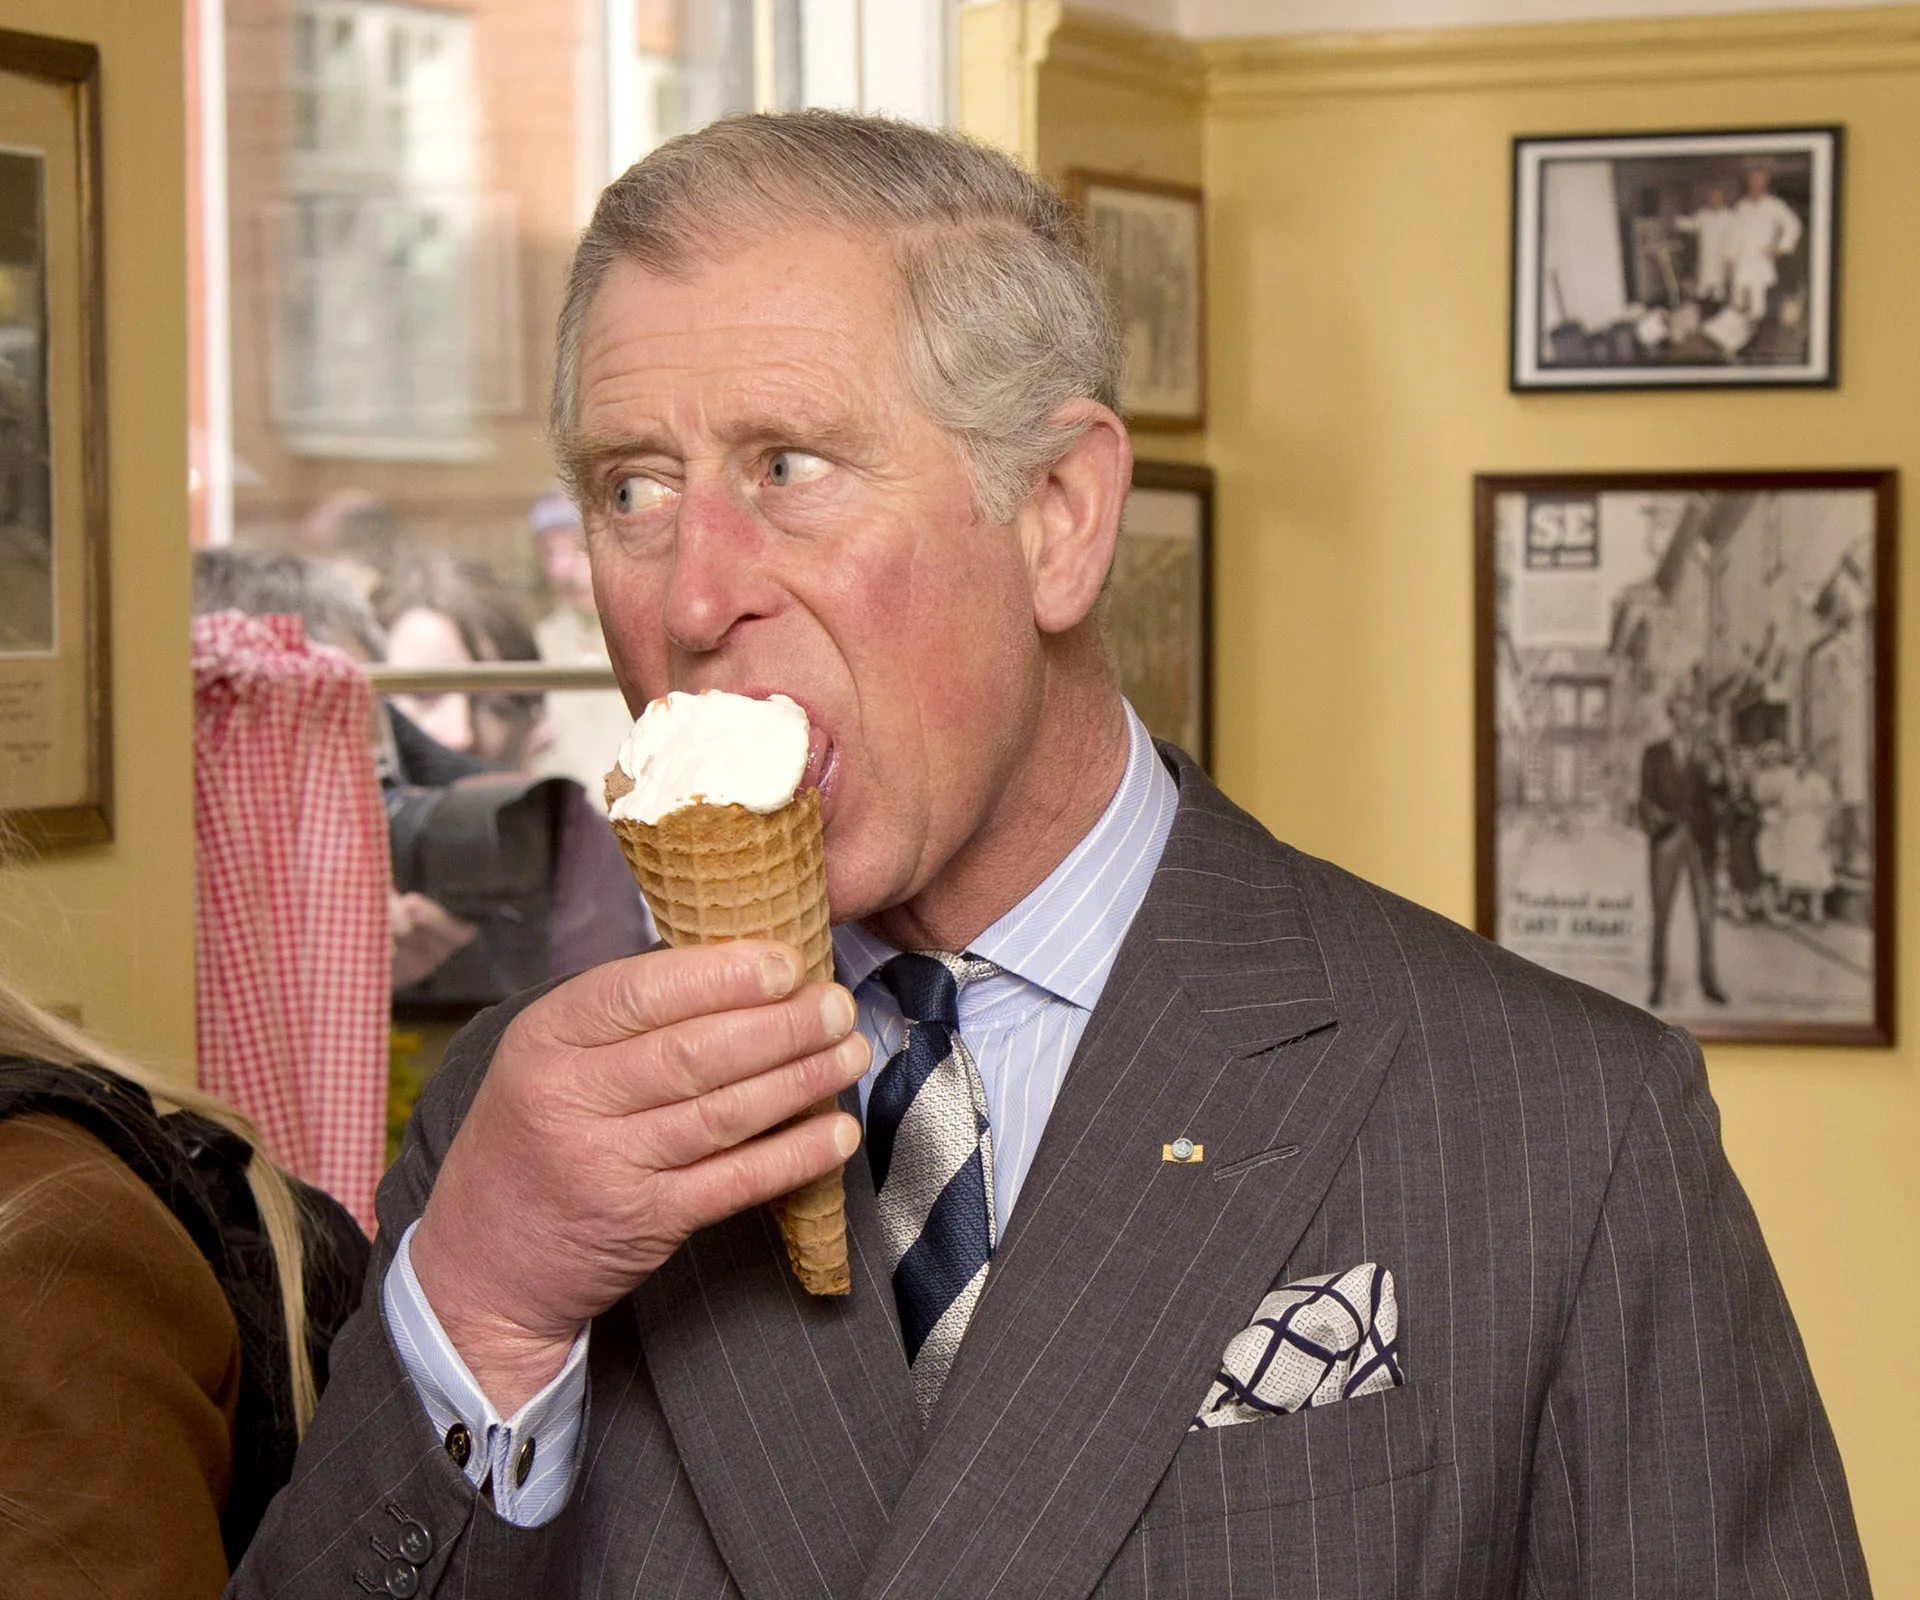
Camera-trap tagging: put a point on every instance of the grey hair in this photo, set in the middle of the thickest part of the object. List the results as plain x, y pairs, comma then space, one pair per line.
258, 582
1003, 316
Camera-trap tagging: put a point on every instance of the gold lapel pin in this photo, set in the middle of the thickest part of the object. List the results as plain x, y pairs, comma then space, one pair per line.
1183, 1150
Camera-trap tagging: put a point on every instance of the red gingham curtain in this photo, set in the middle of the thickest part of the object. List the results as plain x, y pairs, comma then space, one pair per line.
290, 899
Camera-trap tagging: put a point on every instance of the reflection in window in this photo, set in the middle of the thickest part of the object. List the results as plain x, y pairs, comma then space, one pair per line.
384, 201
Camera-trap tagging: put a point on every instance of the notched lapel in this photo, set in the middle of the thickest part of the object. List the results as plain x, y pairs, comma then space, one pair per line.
1122, 1275
793, 1415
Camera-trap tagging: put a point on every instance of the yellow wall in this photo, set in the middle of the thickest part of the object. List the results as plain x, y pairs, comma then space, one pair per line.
1065, 89
1358, 203
110, 929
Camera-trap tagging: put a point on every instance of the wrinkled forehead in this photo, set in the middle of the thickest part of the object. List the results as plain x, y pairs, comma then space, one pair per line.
793, 337
816, 294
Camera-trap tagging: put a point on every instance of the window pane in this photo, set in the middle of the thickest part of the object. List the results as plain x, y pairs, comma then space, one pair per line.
403, 184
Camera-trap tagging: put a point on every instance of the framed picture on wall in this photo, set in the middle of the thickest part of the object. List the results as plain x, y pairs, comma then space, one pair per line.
55, 785
1679, 260
1684, 715
1158, 611
1150, 241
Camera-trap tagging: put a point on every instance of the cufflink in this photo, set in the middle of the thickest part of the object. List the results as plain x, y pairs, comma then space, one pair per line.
1184, 1151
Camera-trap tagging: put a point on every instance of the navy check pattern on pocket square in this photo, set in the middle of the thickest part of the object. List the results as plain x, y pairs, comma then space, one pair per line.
1311, 1343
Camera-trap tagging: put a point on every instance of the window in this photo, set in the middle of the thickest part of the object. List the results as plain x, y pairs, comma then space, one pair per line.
391, 274
384, 197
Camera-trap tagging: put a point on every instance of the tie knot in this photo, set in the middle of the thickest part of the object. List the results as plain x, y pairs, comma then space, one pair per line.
927, 984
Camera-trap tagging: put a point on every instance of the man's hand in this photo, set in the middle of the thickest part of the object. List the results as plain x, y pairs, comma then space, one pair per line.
624, 1111
424, 934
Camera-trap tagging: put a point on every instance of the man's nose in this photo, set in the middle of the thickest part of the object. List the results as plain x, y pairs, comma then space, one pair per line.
716, 580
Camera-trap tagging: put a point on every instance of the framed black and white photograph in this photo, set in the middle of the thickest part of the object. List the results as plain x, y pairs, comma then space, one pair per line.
1684, 726
1150, 241
1676, 260
55, 735
1158, 611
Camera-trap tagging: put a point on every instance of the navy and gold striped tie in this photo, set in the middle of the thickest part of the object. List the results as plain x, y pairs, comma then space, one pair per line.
931, 1149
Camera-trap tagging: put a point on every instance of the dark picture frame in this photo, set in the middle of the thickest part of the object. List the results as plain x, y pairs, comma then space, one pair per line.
56, 785
1704, 259
1157, 612
1684, 698
1150, 240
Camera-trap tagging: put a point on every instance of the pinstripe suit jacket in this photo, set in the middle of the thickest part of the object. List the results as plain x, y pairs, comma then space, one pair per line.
1606, 1394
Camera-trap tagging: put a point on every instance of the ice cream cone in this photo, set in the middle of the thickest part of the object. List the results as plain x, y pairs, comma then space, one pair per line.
712, 873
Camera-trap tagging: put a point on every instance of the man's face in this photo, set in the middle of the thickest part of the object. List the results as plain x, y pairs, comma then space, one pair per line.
1756, 184
770, 509
423, 638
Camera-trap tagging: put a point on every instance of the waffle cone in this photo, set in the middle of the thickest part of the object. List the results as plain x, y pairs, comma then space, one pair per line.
714, 873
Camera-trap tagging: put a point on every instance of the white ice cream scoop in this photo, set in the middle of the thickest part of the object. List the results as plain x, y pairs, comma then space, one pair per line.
713, 747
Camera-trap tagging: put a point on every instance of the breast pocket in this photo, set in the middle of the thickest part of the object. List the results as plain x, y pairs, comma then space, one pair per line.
1325, 1502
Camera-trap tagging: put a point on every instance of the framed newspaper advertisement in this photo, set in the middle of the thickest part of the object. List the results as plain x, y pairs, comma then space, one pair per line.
1676, 260
55, 787
1684, 729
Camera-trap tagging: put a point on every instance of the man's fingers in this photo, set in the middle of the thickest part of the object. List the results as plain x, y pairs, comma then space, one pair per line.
762, 1169
689, 1131
662, 987
701, 1054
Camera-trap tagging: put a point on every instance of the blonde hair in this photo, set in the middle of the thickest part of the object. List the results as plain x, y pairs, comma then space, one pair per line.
30, 1030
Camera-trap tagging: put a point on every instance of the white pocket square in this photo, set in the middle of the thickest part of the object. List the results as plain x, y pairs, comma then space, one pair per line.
1313, 1342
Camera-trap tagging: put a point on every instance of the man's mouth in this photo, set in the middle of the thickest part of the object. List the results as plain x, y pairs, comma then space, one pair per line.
820, 767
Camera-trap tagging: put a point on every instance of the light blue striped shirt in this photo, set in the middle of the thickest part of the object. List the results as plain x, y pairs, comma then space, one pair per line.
1054, 951
550, 1421
1022, 1024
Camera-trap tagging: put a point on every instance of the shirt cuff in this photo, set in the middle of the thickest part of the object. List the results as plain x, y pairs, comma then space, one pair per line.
531, 1455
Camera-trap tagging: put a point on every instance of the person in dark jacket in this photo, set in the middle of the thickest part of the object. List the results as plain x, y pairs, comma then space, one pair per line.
1680, 790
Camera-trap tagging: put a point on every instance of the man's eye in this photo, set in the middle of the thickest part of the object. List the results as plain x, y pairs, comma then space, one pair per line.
635, 494
790, 467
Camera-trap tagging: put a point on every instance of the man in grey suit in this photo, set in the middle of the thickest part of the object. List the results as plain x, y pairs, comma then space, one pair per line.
1296, 1241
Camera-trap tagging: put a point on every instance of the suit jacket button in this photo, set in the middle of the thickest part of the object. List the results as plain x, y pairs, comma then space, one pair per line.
416, 1544
459, 1444
402, 1579
523, 1464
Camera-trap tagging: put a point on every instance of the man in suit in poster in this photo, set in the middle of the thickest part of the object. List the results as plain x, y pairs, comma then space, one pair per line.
1682, 796
838, 397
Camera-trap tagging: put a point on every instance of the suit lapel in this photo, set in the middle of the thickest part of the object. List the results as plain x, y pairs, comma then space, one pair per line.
793, 1415
1122, 1275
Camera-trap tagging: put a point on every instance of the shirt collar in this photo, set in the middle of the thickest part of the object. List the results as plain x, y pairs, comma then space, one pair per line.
1064, 935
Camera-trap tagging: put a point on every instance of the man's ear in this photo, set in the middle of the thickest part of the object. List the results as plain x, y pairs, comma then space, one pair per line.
1069, 523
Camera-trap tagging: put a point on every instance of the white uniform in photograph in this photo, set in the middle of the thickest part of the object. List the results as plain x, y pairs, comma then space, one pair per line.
1714, 227
1806, 858
1764, 229
1770, 786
